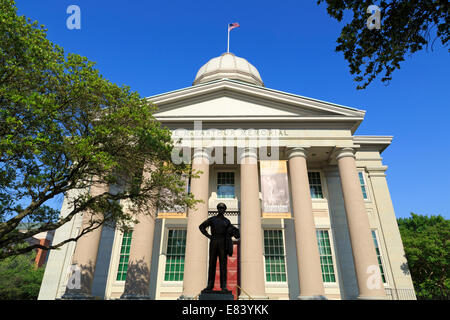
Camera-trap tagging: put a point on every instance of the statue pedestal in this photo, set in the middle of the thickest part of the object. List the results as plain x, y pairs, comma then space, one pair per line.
215, 295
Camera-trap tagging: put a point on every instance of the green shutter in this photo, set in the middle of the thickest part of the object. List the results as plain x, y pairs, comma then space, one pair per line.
275, 265
124, 256
176, 246
326, 258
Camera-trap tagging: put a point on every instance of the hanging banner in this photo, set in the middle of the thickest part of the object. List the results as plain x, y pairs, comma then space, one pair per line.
175, 212
275, 190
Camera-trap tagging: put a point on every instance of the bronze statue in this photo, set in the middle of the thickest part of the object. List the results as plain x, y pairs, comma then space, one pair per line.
220, 245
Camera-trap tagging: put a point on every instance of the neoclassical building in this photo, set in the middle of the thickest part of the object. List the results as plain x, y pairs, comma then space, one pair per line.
309, 196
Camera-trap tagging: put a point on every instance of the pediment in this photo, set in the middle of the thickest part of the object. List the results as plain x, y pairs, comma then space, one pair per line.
226, 106
230, 100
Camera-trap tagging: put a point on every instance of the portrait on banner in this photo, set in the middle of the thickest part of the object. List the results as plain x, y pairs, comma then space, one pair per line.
274, 187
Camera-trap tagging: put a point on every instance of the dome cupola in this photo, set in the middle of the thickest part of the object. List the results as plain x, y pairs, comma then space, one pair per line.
228, 66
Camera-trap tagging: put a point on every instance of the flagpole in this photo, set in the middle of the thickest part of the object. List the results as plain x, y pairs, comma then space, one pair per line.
228, 39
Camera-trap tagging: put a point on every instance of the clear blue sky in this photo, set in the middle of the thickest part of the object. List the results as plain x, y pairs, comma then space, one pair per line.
158, 46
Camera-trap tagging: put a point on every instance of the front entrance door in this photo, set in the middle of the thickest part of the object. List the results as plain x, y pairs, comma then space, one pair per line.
232, 272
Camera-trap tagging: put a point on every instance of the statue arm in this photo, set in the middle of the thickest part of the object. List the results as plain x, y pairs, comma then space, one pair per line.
232, 230
203, 227
236, 234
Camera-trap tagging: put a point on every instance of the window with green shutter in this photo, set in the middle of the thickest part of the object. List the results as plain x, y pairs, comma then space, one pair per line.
363, 184
315, 185
124, 256
275, 260
377, 249
176, 246
326, 256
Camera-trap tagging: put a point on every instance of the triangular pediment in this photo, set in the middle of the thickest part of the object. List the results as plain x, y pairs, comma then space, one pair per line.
228, 100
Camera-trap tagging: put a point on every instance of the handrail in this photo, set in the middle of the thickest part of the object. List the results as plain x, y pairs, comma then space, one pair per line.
250, 297
400, 294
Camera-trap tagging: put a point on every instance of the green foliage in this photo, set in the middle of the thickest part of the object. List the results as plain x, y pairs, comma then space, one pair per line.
19, 279
406, 27
64, 128
427, 247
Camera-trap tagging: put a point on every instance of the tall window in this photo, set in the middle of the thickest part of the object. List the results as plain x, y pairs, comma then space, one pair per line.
189, 185
225, 185
326, 257
124, 256
176, 246
363, 184
377, 249
315, 185
275, 261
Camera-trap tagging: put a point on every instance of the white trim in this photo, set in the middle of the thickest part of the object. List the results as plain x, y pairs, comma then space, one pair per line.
162, 286
256, 118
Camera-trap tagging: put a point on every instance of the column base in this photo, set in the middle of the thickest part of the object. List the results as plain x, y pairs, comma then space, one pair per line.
320, 297
77, 296
134, 297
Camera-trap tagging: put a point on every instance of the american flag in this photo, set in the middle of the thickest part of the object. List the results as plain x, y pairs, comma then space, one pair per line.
231, 26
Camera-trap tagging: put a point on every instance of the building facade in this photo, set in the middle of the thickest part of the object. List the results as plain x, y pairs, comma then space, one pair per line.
309, 196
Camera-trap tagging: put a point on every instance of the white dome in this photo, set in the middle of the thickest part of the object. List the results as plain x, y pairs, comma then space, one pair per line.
230, 67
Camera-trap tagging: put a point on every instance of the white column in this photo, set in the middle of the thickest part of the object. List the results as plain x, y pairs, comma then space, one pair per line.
368, 274
308, 258
137, 283
85, 255
252, 264
195, 262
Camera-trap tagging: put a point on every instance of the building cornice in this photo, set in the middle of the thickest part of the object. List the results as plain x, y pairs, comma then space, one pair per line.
330, 112
379, 143
271, 94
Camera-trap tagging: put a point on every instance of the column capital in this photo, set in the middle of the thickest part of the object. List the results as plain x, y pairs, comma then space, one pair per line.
249, 152
293, 152
377, 171
345, 152
200, 152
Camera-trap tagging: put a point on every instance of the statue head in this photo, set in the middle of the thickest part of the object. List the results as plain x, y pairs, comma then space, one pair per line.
221, 207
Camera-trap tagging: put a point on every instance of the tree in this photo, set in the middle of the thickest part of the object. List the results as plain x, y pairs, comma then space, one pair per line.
427, 248
64, 128
19, 278
406, 27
